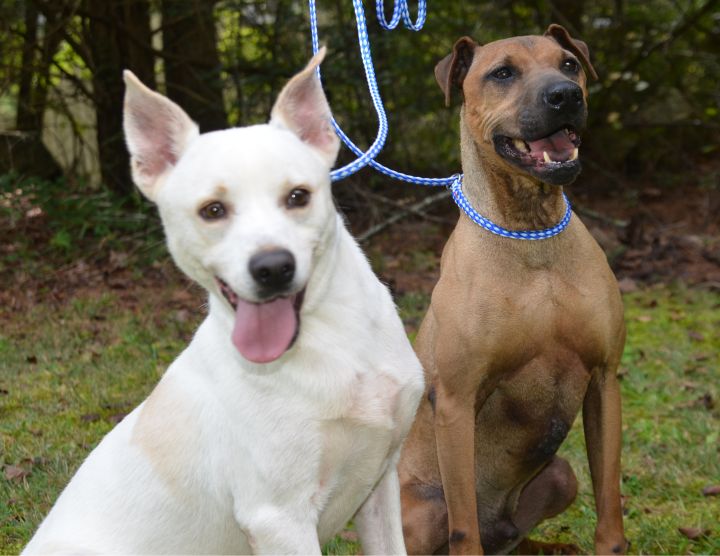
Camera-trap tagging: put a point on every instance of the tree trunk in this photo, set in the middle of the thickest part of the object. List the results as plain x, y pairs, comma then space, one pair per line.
36, 60
26, 152
138, 44
25, 119
192, 63
104, 40
569, 13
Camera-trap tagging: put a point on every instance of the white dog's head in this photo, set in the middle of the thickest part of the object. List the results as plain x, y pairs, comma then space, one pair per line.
246, 210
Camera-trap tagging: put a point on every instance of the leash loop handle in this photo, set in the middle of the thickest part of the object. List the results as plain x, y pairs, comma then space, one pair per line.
401, 9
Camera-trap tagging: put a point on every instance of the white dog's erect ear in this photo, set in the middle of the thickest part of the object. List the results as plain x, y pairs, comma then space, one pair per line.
156, 131
303, 109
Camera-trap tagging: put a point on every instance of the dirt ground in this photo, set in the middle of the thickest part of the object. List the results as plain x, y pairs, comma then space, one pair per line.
650, 235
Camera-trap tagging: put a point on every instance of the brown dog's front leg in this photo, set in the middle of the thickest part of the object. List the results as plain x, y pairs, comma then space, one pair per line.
455, 437
602, 421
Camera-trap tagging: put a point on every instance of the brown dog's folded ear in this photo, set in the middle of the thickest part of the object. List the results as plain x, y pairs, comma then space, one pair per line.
576, 46
451, 71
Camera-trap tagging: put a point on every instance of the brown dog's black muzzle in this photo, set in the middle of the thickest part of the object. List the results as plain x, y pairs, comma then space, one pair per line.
563, 96
556, 104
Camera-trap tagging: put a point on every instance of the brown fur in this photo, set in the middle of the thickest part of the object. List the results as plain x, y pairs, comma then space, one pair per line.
519, 336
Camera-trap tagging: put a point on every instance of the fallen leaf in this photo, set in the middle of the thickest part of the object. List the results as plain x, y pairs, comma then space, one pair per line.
90, 417
652, 192
15, 473
182, 315
119, 282
701, 370
182, 295
350, 536
627, 285
707, 401
116, 418
693, 533
118, 260
644, 318
711, 490
697, 336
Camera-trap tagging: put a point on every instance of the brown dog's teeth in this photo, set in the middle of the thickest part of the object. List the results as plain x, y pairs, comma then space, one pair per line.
520, 145
575, 154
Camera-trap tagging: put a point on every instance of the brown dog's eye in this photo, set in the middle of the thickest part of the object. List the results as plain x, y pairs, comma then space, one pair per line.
213, 211
570, 65
299, 197
503, 73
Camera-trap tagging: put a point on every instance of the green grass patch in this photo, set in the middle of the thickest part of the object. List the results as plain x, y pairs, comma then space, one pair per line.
669, 378
69, 373
67, 377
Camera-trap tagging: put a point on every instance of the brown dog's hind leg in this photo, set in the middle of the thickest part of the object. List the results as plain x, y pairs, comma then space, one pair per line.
424, 518
548, 494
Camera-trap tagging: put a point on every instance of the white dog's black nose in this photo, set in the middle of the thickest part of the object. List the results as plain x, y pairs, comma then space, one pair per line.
273, 270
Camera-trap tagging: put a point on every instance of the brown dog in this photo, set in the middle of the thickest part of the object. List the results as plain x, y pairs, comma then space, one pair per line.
519, 334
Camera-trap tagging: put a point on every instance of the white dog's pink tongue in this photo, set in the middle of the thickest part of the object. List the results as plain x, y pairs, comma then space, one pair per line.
264, 331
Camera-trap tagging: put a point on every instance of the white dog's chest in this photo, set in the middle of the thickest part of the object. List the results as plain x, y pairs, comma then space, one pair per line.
329, 456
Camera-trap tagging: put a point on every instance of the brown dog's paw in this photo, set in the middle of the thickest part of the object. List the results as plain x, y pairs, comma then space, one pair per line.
529, 546
612, 548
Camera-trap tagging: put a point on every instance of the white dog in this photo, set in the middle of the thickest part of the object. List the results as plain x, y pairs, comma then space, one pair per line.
284, 416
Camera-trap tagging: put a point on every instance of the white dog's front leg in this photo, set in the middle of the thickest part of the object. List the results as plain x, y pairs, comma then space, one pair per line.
273, 531
378, 520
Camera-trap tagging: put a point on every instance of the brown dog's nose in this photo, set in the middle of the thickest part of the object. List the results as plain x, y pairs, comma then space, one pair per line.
273, 270
563, 95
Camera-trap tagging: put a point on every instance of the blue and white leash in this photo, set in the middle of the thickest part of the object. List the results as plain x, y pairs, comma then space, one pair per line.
367, 158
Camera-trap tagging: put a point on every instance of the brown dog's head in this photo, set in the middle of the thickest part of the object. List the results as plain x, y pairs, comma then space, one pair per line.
525, 99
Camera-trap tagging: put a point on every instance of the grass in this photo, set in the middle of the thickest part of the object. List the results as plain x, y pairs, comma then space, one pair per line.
669, 378
70, 372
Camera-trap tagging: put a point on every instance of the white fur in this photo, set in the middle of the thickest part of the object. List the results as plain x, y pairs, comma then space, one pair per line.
228, 456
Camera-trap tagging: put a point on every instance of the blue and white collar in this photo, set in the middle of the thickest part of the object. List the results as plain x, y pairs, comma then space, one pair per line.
480, 220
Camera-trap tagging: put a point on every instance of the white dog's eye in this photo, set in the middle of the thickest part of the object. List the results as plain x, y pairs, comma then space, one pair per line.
299, 197
212, 211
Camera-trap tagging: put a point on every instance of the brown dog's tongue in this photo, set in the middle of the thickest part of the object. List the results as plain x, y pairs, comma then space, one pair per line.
558, 146
264, 331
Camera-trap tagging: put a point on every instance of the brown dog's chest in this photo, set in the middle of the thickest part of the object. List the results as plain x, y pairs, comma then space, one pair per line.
537, 330
545, 333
